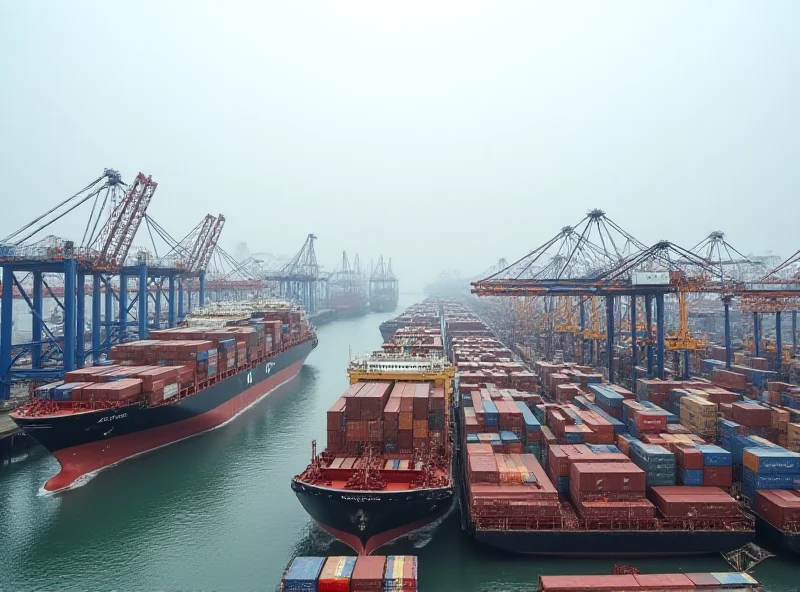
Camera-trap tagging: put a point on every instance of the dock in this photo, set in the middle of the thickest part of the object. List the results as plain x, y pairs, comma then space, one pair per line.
12, 439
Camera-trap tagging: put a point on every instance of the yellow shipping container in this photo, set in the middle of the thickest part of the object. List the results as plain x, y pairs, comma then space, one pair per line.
699, 406
697, 393
763, 441
779, 416
793, 438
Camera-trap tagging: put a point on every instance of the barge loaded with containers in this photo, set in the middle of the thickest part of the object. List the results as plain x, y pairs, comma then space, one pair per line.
178, 383
386, 470
589, 472
351, 574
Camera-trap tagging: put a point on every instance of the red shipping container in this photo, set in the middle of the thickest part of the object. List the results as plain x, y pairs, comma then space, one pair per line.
405, 440
127, 388
335, 441
368, 574
617, 511
701, 503
607, 477
718, 476
336, 414
421, 400
600, 583
689, 458
674, 581
781, 508
754, 416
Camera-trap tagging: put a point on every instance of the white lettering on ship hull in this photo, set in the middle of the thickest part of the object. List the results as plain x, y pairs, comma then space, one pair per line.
112, 417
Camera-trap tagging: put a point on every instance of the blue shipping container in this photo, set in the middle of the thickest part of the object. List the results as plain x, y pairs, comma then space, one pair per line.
773, 461
303, 574
693, 477
491, 416
531, 423
714, 456
506, 436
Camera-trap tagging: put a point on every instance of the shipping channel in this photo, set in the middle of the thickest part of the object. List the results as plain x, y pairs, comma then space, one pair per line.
215, 512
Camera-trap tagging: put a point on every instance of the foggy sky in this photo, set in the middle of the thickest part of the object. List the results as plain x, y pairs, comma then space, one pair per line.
444, 135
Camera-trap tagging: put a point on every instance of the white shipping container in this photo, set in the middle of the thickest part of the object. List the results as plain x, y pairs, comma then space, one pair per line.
170, 391
650, 278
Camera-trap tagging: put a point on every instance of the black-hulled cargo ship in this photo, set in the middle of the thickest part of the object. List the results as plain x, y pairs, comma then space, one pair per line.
116, 412
386, 470
783, 541
367, 520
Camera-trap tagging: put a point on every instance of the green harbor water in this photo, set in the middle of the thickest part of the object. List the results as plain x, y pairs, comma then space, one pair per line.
216, 512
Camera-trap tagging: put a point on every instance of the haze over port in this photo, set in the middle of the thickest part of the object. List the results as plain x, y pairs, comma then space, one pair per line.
375, 125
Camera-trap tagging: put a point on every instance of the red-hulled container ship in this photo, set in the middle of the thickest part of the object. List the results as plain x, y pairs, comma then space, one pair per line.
179, 383
386, 470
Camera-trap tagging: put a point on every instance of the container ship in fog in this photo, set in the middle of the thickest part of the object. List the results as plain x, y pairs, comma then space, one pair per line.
386, 470
178, 383
384, 289
347, 290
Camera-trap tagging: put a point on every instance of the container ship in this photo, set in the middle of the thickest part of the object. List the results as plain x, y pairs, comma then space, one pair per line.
176, 384
347, 288
424, 315
583, 468
387, 469
383, 288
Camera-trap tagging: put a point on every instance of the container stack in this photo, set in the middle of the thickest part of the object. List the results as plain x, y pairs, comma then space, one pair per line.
351, 574
606, 492
699, 415
769, 468
494, 411
395, 419
303, 574
335, 575
368, 574
644, 418
561, 458
508, 489
779, 507
400, 574
695, 504
656, 461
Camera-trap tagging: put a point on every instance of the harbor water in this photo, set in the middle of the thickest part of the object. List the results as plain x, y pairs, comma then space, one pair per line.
215, 512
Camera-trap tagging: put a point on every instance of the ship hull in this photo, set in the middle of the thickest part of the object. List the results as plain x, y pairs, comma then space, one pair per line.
776, 539
388, 330
582, 543
382, 304
84, 443
367, 520
349, 312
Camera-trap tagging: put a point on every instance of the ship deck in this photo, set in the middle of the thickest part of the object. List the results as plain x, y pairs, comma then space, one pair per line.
392, 479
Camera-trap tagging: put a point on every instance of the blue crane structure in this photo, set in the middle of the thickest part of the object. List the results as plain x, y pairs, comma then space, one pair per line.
298, 279
32, 270
597, 258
